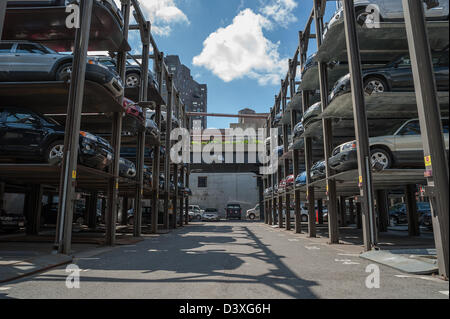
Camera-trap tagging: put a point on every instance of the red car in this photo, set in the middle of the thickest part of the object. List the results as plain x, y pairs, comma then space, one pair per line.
131, 108
290, 180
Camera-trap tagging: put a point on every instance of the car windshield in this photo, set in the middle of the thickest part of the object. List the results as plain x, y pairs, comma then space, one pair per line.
210, 210
234, 206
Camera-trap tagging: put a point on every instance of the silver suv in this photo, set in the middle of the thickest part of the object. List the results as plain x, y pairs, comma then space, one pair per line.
29, 61
403, 148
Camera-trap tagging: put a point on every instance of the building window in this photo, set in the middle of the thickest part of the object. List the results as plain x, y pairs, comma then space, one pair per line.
202, 182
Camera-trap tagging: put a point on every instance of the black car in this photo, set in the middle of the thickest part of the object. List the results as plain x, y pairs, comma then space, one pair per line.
298, 130
132, 71
398, 214
11, 222
395, 76
233, 211
27, 61
344, 157
27, 136
126, 168
318, 171
312, 115
49, 214
148, 176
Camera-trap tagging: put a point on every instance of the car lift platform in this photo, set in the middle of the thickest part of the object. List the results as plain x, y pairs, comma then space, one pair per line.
47, 25
52, 97
384, 41
387, 105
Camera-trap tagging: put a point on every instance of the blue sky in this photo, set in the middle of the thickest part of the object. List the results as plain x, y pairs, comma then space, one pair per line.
244, 58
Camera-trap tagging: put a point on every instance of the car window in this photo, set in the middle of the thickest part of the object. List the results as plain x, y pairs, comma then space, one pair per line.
404, 61
30, 48
412, 128
20, 118
107, 62
5, 48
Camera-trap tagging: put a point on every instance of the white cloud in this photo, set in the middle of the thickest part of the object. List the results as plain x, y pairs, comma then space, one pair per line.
163, 14
280, 11
241, 50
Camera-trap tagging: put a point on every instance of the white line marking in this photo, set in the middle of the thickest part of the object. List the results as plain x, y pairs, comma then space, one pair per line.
350, 255
350, 263
312, 247
7, 288
429, 278
444, 292
293, 239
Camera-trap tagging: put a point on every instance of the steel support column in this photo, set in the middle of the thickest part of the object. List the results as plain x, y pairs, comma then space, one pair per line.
383, 210
351, 208
169, 107
333, 226
436, 160
186, 200
125, 206
91, 208
320, 211
72, 132
358, 215
33, 207
181, 199
361, 127
2, 16
343, 210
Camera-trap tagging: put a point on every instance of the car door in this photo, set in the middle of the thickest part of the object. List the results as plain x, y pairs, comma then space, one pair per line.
6, 56
32, 62
401, 75
23, 134
408, 145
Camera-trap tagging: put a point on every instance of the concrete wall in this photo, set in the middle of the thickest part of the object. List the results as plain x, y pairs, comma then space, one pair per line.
223, 188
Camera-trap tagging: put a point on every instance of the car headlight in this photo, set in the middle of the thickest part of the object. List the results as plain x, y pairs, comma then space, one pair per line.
88, 136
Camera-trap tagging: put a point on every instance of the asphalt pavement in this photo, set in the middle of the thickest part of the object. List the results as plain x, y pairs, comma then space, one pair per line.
244, 260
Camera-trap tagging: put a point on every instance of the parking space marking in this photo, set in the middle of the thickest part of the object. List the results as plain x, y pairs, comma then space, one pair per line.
7, 288
429, 278
312, 247
293, 239
444, 292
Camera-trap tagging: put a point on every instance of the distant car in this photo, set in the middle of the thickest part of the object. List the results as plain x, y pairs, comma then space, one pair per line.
146, 216
27, 136
268, 191
210, 214
126, 168
132, 71
152, 128
152, 116
318, 171
403, 148
398, 213
395, 76
28, 61
131, 108
196, 210
312, 115
298, 130
279, 150
289, 181
148, 176
277, 119
233, 211
301, 179
253, 213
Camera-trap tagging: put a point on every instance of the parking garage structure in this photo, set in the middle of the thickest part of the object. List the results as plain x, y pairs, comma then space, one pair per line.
88, 106
360, 195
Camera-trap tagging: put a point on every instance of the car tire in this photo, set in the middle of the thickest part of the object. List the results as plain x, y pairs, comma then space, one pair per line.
54, 152
132, 80
64, 72
381, 156
251, 216
304, 218
374, 84
198, 217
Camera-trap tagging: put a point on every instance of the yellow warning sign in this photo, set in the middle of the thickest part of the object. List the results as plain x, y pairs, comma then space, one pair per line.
117, 185
360, 179
74, 174
427, 161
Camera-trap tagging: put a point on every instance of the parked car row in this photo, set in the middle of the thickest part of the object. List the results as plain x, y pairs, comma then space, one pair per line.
398, 214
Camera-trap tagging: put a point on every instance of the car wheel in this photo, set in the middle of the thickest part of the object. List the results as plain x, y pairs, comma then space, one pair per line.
251, 216
132, 80
64, 72
361, 15
381, 156
304, 218
374, 84
198, 217
55, 153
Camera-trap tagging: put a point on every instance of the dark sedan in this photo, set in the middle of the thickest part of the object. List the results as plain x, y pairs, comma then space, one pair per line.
298, 130
312, 115
344, 157
11, 222
395, 76
318, 171
126, 168
398, 213
29, 137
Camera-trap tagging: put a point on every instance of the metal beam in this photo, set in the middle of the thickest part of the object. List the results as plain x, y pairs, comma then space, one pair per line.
411, 211
436, 160
72, 132
361, 127
2, 16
